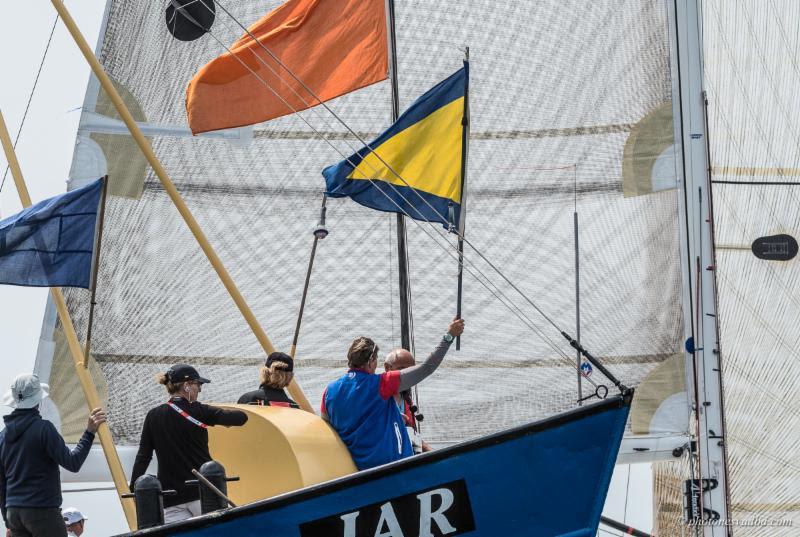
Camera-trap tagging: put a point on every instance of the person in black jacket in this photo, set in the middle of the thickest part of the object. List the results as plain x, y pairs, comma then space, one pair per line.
177, 432
31, 450
275, 375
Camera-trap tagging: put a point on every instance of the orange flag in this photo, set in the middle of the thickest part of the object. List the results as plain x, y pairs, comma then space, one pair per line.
333, 46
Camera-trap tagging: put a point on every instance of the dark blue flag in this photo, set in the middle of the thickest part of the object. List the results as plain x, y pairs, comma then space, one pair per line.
51, 244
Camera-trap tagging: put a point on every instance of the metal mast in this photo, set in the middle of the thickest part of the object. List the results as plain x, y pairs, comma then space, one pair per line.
402, 254
699, 268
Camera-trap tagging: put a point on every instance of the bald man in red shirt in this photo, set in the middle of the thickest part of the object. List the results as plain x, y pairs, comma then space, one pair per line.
397, 360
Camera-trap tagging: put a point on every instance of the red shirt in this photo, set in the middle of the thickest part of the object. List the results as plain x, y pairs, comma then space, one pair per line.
408, 415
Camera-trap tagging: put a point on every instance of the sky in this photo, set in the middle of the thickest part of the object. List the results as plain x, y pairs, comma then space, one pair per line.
45, 153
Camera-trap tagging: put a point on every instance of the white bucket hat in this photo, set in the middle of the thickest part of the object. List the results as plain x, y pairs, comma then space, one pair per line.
25, 392
72, 516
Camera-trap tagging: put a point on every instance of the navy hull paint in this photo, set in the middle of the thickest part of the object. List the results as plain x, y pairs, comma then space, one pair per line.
548, 478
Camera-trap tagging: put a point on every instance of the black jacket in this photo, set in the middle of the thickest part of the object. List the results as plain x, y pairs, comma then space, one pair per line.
265, 395
31, 450
179, 444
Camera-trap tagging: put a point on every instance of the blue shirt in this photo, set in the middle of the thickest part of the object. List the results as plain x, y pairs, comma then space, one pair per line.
361, 408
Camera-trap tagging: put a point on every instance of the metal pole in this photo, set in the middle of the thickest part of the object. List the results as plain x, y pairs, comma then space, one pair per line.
578, 304
294, 390
303, 299
462, 217
319, 233
95, 269
597, 363
87, 384
402, 245
687, 30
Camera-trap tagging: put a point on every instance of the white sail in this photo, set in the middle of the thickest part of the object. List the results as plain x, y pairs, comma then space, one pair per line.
751, 80
752, 77
557, 91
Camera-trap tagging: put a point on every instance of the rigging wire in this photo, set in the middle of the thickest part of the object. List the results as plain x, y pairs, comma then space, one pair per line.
497, 293
507, 302
444, 220
30, 97
352, 148
326, 123
322, 103
367, 145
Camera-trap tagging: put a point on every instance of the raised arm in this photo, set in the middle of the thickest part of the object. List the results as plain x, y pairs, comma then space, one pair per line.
72, 460
414, 375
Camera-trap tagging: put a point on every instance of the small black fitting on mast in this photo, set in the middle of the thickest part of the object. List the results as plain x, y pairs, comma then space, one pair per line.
321, 231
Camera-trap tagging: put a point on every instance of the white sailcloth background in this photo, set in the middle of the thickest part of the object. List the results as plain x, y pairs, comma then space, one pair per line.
752, 74
568, 105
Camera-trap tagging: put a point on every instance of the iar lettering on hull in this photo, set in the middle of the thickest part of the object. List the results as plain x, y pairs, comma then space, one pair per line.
444, 510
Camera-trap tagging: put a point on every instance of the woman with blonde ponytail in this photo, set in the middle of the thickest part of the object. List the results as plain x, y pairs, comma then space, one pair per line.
276, 375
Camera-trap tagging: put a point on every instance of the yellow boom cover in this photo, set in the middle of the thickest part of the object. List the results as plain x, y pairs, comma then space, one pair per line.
278, 450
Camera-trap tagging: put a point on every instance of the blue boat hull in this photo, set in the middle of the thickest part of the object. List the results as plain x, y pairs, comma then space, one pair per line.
548, 478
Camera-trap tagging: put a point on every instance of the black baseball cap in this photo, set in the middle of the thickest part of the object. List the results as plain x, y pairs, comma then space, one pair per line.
281, 357
183, 372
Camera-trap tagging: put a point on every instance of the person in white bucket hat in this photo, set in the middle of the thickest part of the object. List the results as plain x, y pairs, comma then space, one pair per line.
74, 520
31, 450
26, 392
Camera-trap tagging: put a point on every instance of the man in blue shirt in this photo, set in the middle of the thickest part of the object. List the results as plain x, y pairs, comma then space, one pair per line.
361, 405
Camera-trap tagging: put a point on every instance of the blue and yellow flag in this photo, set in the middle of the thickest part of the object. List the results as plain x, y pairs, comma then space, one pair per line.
423, 147
51, 244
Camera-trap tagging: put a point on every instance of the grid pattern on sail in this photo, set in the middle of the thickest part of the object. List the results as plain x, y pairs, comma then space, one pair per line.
668, 486
752, 76
556, 88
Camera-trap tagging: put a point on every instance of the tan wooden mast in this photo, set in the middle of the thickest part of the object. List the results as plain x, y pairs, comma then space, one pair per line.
76, 351
294, 389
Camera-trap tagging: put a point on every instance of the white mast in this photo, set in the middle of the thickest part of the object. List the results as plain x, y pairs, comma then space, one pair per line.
704, 374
